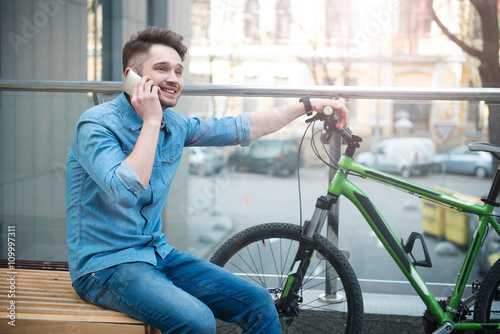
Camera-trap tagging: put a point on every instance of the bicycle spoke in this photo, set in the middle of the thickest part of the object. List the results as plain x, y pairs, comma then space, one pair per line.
282, 273
261, 265
257, 278
278, 272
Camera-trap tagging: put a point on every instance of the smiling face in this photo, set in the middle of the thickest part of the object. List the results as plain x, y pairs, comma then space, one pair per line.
163, 65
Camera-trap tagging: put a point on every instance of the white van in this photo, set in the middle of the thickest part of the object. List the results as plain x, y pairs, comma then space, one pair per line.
405, 156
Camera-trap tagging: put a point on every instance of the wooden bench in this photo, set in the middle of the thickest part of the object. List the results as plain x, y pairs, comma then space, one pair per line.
45, 302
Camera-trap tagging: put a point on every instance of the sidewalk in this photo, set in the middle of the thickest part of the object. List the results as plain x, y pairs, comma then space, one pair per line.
386, 314
208, 230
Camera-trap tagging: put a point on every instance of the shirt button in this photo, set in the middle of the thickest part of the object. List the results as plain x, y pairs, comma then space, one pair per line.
144, 210
154, 165
171, 159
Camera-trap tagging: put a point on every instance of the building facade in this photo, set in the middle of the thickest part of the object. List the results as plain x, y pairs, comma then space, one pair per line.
342, 43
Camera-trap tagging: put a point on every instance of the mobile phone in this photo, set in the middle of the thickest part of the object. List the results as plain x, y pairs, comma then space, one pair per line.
128, 84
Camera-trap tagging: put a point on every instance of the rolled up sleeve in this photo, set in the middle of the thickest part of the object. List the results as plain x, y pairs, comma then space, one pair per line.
100, 154
127, 175
243, 128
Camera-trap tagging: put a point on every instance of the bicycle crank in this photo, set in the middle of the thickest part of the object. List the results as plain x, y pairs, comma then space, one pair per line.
445, 329
431, 325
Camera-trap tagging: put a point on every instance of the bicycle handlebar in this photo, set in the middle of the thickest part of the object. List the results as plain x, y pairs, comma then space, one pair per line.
330, 118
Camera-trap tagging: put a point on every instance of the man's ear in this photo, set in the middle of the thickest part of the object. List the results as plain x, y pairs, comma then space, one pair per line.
128, 69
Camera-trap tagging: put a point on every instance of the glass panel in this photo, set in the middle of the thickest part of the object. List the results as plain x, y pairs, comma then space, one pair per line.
36, 131
222, 190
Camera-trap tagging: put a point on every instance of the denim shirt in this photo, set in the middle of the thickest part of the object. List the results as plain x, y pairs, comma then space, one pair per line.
111, 218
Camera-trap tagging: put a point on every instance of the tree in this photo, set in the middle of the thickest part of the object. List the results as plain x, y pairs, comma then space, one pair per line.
489, 68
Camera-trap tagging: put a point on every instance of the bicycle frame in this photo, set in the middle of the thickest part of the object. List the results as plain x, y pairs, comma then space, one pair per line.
340, 185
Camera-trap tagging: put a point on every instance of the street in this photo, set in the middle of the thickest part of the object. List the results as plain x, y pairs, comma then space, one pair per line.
250, 199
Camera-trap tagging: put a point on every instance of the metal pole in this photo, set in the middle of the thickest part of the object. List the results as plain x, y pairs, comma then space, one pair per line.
332, 229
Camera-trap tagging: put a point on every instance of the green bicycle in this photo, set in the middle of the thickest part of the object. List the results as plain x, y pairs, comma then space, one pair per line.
294, 262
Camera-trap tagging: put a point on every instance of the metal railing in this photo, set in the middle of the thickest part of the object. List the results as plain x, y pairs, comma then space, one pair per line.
347, 92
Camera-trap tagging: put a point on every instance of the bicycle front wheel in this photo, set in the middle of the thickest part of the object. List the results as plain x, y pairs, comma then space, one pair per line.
330, 297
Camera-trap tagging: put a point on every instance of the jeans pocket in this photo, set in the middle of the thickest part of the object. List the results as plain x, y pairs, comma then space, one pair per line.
83, 286
91, 287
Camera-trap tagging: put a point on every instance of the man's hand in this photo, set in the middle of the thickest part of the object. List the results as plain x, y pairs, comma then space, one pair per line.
338, 106
146, 102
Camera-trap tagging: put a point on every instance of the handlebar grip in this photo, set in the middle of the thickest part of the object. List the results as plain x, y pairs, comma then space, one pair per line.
345, 133
328, 110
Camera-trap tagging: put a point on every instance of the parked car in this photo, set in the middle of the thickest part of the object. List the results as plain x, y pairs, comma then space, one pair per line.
270, 156
405, 156
205, 161
462, 161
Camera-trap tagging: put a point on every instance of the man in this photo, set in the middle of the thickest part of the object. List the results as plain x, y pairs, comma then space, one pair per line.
122, 161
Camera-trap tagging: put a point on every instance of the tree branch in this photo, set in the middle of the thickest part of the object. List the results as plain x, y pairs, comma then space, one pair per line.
470, 50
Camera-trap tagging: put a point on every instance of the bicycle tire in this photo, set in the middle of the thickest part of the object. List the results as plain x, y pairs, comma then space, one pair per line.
245, 252
487, 305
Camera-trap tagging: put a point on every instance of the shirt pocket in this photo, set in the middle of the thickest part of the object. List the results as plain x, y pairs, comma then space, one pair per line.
170, 159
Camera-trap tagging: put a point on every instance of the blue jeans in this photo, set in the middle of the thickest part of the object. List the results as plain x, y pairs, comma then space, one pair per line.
181, 294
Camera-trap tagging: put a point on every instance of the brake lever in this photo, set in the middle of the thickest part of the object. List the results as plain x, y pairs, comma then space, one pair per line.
312, 119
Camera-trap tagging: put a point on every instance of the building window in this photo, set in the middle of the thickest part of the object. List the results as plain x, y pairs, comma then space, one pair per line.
94, 40
414, 18
280, 81
252, 13
283, 19
414, 22
338, 18
201, 19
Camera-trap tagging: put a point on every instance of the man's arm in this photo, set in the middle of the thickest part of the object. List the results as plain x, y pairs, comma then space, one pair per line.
268, 121
146, 103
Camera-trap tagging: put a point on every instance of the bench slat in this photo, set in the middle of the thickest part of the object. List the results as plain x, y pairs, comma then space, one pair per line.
76, 315
50, 304
69, 326
46, 298
70, 297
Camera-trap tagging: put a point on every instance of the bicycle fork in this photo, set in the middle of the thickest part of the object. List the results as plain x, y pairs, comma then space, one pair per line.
288, 303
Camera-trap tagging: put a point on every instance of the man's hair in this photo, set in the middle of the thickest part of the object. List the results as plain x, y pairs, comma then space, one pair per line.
138, 47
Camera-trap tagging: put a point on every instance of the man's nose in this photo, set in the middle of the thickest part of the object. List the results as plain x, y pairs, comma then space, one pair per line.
172, 77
